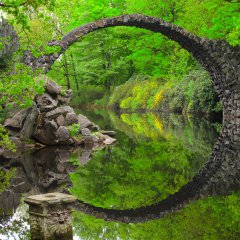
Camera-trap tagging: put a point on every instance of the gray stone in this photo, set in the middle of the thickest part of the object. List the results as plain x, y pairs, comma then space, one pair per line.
71, 118
85, 132
52, 87
88, 142
68, 142
63, 134
65, 96
86, 157
68, 93
14, 132
17, 120
17, 142
109, 133
60, 120
29, 124
109, 141
86, 123
64, 100
12, 154
46, 103
47, 135
59, 111
56, 222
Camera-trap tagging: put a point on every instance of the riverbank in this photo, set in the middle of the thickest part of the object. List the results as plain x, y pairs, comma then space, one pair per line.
50, 121
194, 94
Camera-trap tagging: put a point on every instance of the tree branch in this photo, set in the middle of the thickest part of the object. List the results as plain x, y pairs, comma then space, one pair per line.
10, 6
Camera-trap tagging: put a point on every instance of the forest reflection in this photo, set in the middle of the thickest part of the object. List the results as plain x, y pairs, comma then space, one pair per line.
154, 158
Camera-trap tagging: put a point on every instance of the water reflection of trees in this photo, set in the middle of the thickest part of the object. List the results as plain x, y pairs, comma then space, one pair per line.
138, 172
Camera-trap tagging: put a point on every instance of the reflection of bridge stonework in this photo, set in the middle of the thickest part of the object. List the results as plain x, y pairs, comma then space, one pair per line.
219, 176
220, 59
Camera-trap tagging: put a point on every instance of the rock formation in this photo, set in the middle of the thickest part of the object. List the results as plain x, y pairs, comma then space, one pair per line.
51, 121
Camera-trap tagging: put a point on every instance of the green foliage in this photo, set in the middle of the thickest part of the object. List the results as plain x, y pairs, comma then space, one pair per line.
200, 94
109, 57
194, 94
154, 156
213, 218
87, 94
135, 176
4, 139
5, 177
21, 87
19, 11
74, 129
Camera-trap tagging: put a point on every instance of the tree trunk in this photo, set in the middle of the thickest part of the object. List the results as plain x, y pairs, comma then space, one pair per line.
66, 71
75, 74
107, 67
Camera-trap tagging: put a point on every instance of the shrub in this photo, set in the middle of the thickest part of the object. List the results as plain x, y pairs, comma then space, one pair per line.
194, 94
74, 129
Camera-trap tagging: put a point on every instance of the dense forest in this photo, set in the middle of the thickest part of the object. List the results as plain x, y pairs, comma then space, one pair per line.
123, 67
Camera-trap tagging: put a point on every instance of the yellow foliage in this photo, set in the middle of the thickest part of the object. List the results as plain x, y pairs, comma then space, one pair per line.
158, 98
158, 124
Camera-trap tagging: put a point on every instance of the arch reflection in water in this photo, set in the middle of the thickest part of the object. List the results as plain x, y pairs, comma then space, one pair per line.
219, 176
36, 175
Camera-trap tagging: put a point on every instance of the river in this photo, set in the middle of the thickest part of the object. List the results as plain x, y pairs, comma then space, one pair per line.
155, 156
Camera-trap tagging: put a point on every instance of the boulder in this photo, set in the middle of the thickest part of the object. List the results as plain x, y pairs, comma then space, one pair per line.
86, 157
65, 97
46, 103
63, 134
109, 133
40, 120
86, 123
63, 100
52, 87
109, 141
47, 135
13, 154
71, 118
14, 132
88, 142
68, 142
29, 124
17, 120
59, 111
17, 142
60, 120
66, 93
85, 132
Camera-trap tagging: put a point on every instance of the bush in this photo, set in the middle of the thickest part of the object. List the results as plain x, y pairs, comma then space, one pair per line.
194, 94
200, 93
74, 129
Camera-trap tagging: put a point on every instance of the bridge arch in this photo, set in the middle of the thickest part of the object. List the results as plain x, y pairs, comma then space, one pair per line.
220, 59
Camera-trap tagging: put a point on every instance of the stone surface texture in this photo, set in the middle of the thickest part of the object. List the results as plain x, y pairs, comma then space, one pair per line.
50, 122
50, 216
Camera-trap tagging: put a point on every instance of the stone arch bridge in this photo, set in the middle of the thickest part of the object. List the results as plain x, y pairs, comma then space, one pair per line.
221, 60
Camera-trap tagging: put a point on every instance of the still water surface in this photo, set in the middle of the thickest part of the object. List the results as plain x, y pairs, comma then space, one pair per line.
155, 157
